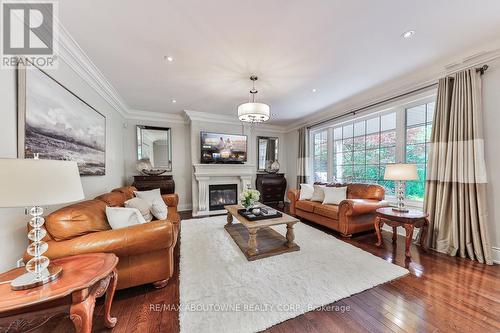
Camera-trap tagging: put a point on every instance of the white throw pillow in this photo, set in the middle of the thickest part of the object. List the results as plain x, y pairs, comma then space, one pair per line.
306, 191
334, 195
121, 217
142, 205
318, 194
159, 209
153, 197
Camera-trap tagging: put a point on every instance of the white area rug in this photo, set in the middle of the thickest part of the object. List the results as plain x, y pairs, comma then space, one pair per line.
220, 291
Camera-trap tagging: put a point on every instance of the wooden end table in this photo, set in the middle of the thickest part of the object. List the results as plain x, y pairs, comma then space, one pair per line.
84, 278
409, 221
270, 242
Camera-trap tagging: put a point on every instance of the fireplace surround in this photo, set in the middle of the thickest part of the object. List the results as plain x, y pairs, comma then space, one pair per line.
217, 174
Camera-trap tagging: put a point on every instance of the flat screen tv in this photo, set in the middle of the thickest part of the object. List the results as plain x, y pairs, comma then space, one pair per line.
223, 148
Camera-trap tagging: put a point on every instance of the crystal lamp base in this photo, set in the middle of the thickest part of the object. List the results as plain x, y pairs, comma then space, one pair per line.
31, 279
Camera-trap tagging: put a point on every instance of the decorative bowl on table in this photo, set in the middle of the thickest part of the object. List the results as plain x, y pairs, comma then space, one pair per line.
273, 167
153, 172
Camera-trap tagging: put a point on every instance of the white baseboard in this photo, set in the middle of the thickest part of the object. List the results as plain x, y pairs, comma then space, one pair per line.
400, 231
495, 253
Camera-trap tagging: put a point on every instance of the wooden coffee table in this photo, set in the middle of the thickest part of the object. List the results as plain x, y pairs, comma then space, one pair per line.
408, 220
257, 239
84, 278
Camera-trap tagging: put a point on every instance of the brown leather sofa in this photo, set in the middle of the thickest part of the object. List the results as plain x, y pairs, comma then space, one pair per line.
353, 215
145, 251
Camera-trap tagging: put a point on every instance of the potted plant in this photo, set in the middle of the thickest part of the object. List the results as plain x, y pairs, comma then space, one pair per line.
248, 198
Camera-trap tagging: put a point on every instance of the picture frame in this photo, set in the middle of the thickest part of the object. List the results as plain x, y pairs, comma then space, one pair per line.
55, 123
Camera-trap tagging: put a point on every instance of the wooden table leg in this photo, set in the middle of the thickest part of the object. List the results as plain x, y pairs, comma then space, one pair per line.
394, 235
409, 238
82, 310
252, 242
229, 219
290, 235
378, 225
109, 321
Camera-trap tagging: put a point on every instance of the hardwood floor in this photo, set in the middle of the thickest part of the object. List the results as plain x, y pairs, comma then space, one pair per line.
441, 294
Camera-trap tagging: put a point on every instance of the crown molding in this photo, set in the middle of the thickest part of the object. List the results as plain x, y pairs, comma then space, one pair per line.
74, 56
230, 120
399, 86
143, 115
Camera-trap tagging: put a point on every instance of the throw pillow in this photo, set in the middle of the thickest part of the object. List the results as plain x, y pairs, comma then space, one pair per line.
318, 194
306, 191
153, 197
121, 217
334, 195
159, 209
142, 205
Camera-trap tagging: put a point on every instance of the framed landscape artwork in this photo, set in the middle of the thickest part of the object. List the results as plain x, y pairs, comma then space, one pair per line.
57, 125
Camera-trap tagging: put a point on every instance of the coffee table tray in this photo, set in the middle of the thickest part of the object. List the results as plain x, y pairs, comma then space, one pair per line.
252, 217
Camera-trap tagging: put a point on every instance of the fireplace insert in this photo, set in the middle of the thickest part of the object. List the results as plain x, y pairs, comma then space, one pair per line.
221, 195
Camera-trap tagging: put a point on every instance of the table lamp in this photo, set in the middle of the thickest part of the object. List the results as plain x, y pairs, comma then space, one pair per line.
401, 172
35, 183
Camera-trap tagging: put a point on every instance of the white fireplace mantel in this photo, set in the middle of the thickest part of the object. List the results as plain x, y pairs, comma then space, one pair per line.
208, 174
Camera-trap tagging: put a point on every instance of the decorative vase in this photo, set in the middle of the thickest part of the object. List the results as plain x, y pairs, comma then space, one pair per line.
273, 167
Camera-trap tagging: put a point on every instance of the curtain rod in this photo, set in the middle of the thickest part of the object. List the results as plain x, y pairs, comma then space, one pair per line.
481, 70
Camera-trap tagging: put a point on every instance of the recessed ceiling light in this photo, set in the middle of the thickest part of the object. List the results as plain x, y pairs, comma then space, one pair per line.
314, 90
408, 34
169, 58
174, 101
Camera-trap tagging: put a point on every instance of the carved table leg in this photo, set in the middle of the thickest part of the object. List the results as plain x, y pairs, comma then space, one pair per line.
109, 321
423, 236
81, 314
409, 238
394, 234
378, 225
229, 219
290, 235
252, 242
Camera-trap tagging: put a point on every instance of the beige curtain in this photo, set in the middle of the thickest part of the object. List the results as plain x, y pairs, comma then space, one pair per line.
456, 179
303, 157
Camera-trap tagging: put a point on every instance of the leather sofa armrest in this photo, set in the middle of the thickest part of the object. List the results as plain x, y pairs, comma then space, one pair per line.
132, 240
354, 207
171, 200
293, 195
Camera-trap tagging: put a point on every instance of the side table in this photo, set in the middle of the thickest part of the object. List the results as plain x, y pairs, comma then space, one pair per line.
84, 278
409, 221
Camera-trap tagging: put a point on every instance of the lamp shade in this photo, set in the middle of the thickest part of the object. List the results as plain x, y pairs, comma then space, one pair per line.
401, 171
253, 112
30, 182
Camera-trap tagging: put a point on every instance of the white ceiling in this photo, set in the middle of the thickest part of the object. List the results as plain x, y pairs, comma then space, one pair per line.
339, 47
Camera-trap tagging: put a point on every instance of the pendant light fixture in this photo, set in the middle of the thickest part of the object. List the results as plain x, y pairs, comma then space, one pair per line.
253, 112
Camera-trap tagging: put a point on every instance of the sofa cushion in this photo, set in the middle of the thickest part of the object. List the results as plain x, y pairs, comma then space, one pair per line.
113, 199
365, 191
307, 205
330, 211
77, 220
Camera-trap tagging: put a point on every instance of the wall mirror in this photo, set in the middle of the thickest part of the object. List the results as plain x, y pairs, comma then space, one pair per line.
267, 151
155, 144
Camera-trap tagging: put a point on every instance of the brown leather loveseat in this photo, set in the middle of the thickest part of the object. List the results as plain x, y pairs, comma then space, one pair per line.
145, 251
353, 215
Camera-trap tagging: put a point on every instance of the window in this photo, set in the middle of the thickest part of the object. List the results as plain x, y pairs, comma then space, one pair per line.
361, 148
418, 135
320, 156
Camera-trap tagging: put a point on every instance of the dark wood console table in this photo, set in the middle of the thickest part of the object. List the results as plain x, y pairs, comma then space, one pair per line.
166, 183
272, 187
84, 278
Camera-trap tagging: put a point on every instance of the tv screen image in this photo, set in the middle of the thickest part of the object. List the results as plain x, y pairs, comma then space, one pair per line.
223, 148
